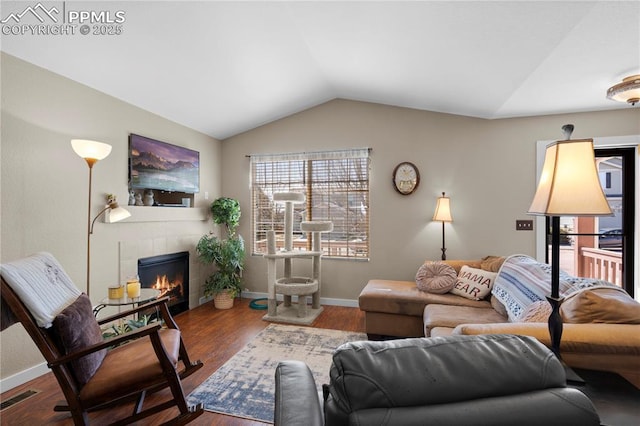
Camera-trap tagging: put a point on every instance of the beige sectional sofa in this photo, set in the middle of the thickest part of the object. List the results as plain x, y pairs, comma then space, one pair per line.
400, 309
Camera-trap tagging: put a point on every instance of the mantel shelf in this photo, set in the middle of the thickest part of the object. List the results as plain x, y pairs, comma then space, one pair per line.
163, 214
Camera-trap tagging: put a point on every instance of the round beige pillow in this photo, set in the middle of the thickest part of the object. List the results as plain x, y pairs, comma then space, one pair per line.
436, 277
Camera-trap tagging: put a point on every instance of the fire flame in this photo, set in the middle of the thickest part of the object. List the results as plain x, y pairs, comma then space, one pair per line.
165, 286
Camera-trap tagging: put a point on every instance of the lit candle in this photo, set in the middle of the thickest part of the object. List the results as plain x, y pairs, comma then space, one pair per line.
116, 292
133, 288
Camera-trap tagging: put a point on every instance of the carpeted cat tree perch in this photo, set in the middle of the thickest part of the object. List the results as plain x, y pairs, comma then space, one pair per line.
289, 285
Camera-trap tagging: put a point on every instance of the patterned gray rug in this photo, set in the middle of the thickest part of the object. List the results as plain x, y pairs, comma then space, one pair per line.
244, 386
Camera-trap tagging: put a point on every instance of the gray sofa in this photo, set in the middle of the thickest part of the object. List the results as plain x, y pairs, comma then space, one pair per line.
461, 380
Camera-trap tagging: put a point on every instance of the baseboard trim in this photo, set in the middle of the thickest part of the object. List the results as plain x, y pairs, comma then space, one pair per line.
204, 299
323, 300
23, 377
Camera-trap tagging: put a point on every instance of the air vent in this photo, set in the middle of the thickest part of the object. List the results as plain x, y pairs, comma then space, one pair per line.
17, 399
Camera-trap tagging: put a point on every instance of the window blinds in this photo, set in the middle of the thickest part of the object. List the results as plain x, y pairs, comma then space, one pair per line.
336, 188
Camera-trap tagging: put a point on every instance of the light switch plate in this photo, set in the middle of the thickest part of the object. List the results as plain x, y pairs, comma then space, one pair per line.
524, 225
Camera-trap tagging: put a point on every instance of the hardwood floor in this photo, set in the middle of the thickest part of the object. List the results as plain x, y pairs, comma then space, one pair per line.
210, 335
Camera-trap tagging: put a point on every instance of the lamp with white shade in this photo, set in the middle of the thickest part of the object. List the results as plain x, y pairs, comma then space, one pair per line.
443, 214
92, 152
569, 186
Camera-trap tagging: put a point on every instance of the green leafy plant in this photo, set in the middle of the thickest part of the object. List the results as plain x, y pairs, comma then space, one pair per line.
226, 211
123, 327
227, 254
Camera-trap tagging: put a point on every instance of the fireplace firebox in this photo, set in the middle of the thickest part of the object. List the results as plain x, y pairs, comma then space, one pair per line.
168, 273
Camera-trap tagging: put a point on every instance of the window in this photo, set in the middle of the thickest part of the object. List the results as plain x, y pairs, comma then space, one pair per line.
336, 188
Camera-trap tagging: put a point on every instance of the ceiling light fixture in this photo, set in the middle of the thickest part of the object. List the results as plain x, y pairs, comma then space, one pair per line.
627, 91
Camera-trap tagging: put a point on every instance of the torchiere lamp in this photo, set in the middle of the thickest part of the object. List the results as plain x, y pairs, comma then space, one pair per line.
93, 152
443, 214
568, 186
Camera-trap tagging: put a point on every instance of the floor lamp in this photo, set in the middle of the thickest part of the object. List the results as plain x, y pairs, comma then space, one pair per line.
93, 152
443, 214
569, 186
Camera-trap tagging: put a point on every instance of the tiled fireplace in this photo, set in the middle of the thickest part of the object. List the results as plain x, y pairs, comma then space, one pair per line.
168, 273
133, 251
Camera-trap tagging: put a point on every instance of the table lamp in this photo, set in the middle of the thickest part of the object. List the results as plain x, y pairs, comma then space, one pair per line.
443, 214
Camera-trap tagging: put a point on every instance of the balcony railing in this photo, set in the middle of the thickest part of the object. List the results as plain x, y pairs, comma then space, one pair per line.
600, 264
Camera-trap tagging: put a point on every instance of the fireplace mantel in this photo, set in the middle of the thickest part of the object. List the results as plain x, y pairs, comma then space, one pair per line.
164, 214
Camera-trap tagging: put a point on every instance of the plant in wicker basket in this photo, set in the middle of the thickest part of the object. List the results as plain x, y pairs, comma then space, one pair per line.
227, 254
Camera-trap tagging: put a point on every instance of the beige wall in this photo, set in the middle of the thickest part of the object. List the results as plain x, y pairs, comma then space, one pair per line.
487, 167
44, 183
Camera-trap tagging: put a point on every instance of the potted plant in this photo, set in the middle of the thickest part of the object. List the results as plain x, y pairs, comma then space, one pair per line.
227, 254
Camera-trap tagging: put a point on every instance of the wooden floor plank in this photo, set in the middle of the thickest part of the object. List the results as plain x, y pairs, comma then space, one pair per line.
210, 335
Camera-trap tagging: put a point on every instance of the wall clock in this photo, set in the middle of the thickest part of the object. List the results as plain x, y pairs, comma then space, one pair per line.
406, 178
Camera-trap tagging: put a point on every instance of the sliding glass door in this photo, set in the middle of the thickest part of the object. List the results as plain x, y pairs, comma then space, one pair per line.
603, 247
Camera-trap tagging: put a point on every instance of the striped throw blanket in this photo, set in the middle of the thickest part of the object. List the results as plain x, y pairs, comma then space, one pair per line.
523, 280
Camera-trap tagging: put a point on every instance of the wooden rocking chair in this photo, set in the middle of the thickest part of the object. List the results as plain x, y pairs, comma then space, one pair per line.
59, 319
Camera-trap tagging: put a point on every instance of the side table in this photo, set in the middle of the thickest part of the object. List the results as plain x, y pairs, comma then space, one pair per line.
146, 295
616, 400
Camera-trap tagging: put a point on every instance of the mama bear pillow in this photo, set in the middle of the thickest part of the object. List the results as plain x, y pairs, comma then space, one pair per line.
474, 284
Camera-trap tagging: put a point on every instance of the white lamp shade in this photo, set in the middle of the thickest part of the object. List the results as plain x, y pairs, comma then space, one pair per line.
443, 210
90, 149
569, 183
116, 215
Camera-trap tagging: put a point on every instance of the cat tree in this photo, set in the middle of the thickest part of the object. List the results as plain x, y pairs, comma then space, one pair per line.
289, 285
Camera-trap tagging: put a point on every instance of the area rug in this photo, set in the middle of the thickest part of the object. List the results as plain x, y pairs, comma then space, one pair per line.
244, 386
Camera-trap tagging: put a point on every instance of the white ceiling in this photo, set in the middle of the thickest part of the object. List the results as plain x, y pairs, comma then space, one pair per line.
226, 67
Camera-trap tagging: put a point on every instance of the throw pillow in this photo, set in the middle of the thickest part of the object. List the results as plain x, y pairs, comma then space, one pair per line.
538, 311
600, 305
77, 328
474, 284
436, 277
492, 263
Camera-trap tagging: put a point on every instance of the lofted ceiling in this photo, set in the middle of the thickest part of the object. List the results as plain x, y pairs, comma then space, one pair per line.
226, 67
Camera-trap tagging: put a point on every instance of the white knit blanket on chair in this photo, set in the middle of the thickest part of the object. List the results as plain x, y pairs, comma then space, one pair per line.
42, 285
